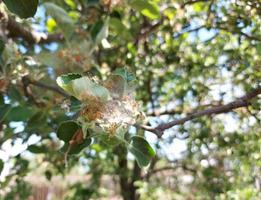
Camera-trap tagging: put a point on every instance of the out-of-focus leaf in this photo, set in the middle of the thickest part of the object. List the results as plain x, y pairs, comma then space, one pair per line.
77, 148
63, 20
125, 74
116, 85
66, 130
100, 31
258, 48
1, 165
50, 24
19, 113
147, 8
48, 175
96, 28
36, 149
199, 7
71, 3
2, 46
109, 140
170, 12
142, 150
14, 94
120, 28
22, 8
4, 109
37, 120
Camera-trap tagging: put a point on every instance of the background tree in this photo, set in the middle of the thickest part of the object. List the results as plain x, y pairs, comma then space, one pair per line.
192, 67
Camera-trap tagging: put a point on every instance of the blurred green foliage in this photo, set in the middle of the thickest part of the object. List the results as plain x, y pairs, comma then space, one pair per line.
185, 56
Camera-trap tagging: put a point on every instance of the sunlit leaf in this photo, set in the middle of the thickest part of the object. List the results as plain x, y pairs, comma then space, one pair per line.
147, 8
64, 82
63, 20
120, 28
84, 89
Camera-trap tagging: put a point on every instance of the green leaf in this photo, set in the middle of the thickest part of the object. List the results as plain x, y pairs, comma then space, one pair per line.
19, 113
63, 20
147, 8
116, 84
4, 109
36, 149
66, 130
99, 31
48, 175
75, 149
96, 28
14, 94
258, 48
108, 140
120, 28
64, 82
170, 12
2, 46
142, 150
125, 74
1, 165
22, 8
38, 122
199, 7
82, 87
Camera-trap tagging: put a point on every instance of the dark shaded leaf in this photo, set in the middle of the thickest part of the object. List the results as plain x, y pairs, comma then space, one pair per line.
36, 149
19, 113
22, 8
142, 150
124, 73
48, 175
66, 130
77, 148
1, 165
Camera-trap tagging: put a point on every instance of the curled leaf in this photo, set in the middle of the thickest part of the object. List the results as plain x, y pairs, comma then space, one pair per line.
86, 90
142, 150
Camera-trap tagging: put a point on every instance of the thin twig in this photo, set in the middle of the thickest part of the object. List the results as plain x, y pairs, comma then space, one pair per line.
45, 86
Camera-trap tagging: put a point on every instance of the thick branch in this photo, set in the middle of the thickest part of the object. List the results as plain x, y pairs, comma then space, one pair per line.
17, 30
45, 86
244, 101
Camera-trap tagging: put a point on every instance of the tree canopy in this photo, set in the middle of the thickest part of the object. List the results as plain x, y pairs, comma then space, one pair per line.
163, 96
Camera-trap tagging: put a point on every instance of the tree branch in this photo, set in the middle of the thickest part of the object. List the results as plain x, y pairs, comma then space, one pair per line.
169, 168
244, 101
17, 30
45, 86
